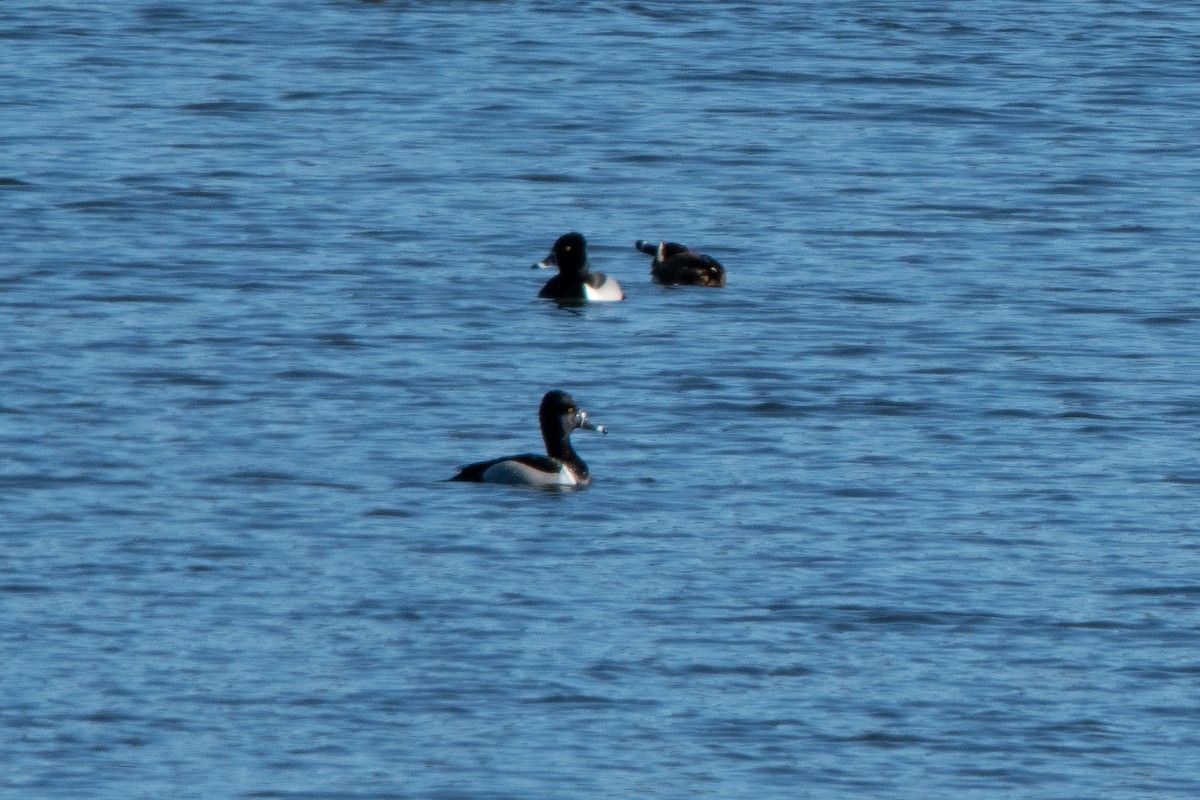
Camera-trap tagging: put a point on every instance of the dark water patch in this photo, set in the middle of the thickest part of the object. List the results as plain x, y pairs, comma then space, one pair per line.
1181, 711
1087, 726
108, 717
898, 80
1169, 320
148, 299
856, 617
1043, 232
884, 740
225, 108
862, 493
942, 371
206, 401
1093, 625
1013, 413
388, 235
608, 671
881, 407
339, 340
972, 211
398, 513
123, 568
527, 601
25, 588
254, 478
457, 549
334, 485
42, 482
907, 619
875, 460
687, 382
166, 12
1133, 229
776, 409
173, 378
257, 286
849, 351
24, 34
645, 158
1097, 430
1159, 591
794, 671
654, 11
203, 193
874, 299
892, 233
1082, 415
495, 108
1164, 671
582, 700
304, 95
371, 609
308, 702
1083, 187
311, 375
952, 114
854, 191
1094, 310
740, 671
100, 204
749, 372
125, 269
546, 177
735, 670
232, 175
757, 75
1184, 409
214, 552
115, 512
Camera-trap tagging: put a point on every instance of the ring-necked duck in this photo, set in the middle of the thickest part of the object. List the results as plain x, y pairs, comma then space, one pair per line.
560, 466
675, 264
573, 281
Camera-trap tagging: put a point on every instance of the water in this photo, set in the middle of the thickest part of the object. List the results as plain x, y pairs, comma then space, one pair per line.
910, 509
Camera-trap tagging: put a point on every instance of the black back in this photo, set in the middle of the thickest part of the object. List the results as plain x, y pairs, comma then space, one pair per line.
558, 416
675, 264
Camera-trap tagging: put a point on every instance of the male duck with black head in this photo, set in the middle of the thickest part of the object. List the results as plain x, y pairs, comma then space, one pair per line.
561, 466
574, 282
675, 264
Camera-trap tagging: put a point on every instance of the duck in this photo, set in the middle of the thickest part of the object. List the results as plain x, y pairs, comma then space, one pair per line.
676, 264
558, 416
574, 281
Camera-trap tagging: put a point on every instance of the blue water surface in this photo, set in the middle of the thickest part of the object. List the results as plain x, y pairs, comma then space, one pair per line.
909, 509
